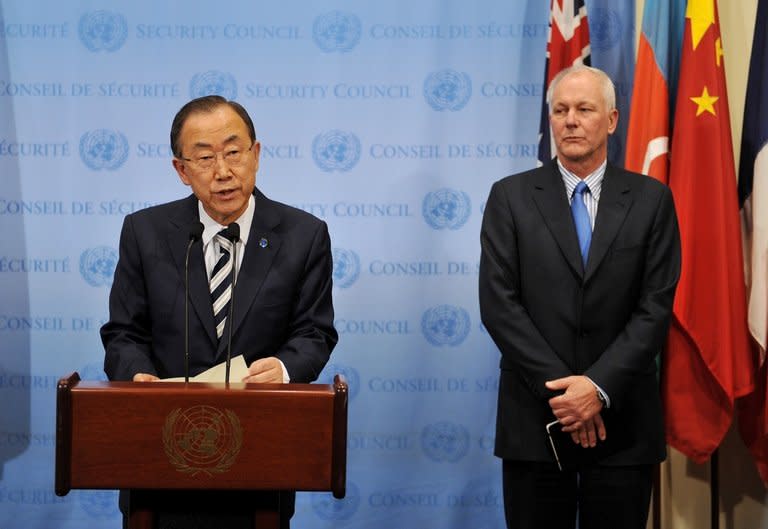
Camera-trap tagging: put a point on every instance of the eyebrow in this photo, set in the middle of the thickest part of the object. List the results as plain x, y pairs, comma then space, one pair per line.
203, 145
561, 104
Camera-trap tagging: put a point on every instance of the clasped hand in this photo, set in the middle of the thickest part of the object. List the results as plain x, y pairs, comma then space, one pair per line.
578, 409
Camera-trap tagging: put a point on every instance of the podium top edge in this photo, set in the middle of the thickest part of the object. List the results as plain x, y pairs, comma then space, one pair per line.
292, 388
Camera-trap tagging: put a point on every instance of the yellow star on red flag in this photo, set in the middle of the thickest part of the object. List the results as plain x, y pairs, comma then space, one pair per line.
702, 15
705, 102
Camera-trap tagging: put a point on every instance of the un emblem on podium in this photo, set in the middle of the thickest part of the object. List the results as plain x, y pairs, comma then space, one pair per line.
202, 439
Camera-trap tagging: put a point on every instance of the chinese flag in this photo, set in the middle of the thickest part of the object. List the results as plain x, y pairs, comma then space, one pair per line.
708, 362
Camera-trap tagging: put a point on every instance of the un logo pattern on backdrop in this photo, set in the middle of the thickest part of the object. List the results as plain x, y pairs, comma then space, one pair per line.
328, 508
350, 374
447, 90
445, 325
336, 150
99, 504
446, 209
213, 83
336, 31
103, 149
346, 267
97, 265
445, 441
102, 31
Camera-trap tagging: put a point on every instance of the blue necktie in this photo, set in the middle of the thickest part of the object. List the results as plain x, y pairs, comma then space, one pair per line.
581, 219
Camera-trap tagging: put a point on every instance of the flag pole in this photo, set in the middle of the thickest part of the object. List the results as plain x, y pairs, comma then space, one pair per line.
656, 513
714, 491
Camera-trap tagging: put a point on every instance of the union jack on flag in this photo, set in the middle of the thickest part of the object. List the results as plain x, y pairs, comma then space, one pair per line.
567, 44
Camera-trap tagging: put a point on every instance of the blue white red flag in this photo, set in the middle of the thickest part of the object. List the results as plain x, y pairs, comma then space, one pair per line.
753, 196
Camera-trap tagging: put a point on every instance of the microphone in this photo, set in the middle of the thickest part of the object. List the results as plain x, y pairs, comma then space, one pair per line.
233, 234
195, 234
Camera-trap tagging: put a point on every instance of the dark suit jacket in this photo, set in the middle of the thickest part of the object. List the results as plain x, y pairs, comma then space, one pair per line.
551, 318
282, 303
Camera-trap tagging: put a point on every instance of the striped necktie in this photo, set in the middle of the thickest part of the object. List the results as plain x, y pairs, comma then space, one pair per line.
221, 283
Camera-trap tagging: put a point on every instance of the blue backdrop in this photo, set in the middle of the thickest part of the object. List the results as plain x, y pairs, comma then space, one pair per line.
388, 120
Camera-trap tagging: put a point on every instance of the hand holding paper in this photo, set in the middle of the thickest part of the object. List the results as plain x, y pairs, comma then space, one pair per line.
237, 371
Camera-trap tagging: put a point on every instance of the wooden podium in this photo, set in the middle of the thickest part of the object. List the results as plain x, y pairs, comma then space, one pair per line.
246, 438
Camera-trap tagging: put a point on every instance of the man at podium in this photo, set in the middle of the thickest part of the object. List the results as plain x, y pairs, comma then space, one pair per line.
223, 272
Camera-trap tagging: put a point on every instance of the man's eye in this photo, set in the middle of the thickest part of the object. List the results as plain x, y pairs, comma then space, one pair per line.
205, 158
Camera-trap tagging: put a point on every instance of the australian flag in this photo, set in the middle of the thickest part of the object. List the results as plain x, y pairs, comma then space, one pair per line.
567, 44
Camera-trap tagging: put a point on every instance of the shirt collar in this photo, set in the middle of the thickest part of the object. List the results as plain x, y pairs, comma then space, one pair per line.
211, 227
594, 181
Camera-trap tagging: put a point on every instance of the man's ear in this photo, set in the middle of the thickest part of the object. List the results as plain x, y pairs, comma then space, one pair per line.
256, 152
181, 170
613, 120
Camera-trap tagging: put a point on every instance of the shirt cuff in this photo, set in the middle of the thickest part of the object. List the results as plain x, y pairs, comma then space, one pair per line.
286, 376
602, 393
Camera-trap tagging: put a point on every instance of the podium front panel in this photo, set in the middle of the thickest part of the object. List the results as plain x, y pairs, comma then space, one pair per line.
164, 435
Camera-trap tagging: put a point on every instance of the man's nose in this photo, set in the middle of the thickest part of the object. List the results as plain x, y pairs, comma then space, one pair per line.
221, 169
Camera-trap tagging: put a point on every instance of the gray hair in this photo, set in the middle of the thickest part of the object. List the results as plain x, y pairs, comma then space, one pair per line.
609, 91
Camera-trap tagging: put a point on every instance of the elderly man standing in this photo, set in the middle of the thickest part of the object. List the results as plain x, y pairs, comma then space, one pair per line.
579, 265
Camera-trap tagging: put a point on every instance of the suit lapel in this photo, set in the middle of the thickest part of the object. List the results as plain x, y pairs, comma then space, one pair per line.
263, 245
549, 195
199, 293
615, 202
